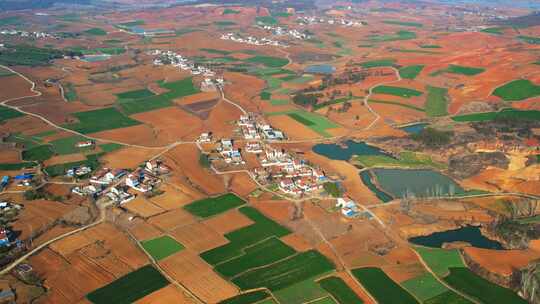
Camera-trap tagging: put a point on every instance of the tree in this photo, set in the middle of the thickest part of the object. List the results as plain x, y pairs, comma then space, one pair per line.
333, 189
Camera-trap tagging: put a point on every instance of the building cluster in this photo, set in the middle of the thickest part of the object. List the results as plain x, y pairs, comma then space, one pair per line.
309, 20
348, 207
281, 31
252, 40
21, 180
183, 63
25, 34
254, 128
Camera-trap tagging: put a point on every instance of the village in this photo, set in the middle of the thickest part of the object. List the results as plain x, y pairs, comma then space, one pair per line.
251, 40
311, 20
26, 34
281, 31
177, 60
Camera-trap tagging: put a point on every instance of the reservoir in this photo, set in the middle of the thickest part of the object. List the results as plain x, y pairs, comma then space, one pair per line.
320, 69
415, 128
469, 234
366, 179
346, 150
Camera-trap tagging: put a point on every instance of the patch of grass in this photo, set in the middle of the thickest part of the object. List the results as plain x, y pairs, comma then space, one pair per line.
161, 247
130, 287
69, 92
411, 72
403, 23
401, 35
493, 30
67, 145
272, 62
16, 166
298, 268
38, 153
468, 282
261, 254
96, 32
262, 229
424, 287
224, 23
265, 95
440, 260
507, 113
407, 159
517, 90
100, 120
408, 106
530, 39
396, 91
183, 31
29, 55
437, 102
430, 46
378, 63
463, 70
381, 287
448, 297
135, 94
267, 20
281, 14
314, 121
111, 147
91, 161
247, 298
7, 113
229, 11
279, 102
533, 219
340, 290
214, 205
302, 292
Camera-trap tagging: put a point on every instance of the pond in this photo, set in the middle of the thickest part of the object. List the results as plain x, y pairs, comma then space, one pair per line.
366, 178
469, 234
95, 58
420, 183
346, 150
320, 69
414, 128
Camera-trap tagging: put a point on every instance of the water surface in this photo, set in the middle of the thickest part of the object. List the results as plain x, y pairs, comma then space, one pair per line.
346, 150
320, 69
469, 234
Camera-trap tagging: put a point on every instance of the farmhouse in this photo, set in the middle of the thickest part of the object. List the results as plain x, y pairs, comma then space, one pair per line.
119, 196
107, 176
348, 207
4, 240
84, 144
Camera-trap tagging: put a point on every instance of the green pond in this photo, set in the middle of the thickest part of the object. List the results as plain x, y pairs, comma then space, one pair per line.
469, 234
419, 183
346, 150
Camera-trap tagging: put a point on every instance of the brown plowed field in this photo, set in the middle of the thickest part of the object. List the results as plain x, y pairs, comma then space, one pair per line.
242, 184
228, 221
9, 156
292, 128
502, 262
198, 237
127, 157
141, 230
143, 207
172, 124
172, 198
169, 294
136, 135
172, 219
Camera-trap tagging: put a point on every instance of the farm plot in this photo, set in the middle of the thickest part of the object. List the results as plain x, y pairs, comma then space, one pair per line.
340, 290
263, 253
517, 90
407, 159
424, 287
398, 36
271, 62
503, 114
91, 161
448, 297
396, 91
68, 145
313, 121
460, 70
177, 89
403, 23
130, 287
262, 228
96, 32
381, 287
440, 260
135, 94
411, 72
214, 205
298, 268
38, 153
247, 298
7, 113
437, 102
162, 247
463, 279
378, 63
303, 292
100, 120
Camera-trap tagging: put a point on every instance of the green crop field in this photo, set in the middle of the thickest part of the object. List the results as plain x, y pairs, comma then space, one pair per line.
69, 92
7, 113
493, 30
448, 297
100, 120
403, 23
327, 300
396, 91
161, 247
5, 73
38, 153
517, 90
16, 166
378, 63
411, 72
381, 287
399, 104
96, 32
12, 20
430, 46
265, 95
214, 205
91, 161
437, 102
176, 89
67, 145
29, 55
314, 121
406, 159
463, 70
225, 23
340, 290
229, 11
424, 287
247, 298
262, 228
27, 142
530, 39
133, 23
268, 20
302, 292
287, 272
470, 283
503, 114
440, 260
266, 252
401, 35
110, 147
129, 288
271, 62
136, 94
279, 102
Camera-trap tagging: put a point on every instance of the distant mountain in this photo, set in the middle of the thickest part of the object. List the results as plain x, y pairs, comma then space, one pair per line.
6, 5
